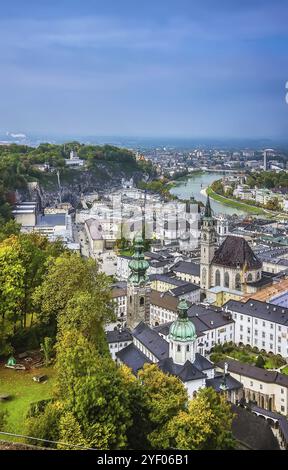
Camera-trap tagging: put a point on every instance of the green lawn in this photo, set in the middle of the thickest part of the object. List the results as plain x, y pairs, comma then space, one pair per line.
235, 204
24, 391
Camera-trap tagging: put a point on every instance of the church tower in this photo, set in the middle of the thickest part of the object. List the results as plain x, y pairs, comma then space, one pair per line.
138, 287
207, 246
182, 337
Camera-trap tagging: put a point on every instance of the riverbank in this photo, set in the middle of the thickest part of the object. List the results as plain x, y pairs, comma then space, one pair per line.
235, 204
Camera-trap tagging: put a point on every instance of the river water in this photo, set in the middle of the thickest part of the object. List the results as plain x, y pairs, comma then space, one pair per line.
193, 186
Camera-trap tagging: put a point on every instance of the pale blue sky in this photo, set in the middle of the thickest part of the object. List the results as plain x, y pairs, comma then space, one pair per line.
155, 68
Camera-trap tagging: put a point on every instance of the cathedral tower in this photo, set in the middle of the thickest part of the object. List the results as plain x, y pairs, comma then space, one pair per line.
207, 245
138, 287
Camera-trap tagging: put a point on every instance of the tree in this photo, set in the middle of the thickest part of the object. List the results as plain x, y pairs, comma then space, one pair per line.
47, 349
166, 396
45, 424
11, 292
67, 277
70, 434
138, 404
260, 362
205, 425
91, 387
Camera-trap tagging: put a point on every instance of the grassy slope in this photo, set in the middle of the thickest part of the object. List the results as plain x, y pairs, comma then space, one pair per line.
24, 391
235, 204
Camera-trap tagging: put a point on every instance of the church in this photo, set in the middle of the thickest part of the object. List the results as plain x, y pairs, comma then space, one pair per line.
178, 352
231, 266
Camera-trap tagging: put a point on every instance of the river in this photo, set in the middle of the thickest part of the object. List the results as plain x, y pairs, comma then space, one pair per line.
195, 184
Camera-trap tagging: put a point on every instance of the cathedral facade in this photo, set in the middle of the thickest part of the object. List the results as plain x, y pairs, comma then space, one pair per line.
231, 266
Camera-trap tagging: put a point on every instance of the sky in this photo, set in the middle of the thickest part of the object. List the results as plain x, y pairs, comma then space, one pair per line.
181, 68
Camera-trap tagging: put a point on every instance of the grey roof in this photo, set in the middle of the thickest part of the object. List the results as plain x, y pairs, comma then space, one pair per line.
167, 278
186, 372
258, 309
263, 375
50, 220
283, 423
251, 431
133, 358
202, 363
217, 381
184, 289
151, 340
117, 336
187, 267
211, 317
234, 253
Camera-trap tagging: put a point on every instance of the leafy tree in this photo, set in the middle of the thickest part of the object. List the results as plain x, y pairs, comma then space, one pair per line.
166, 396
68, 277
70, 433
260, 362
205, 425
91, 387
11, 292
45, 425
138, 404
47, 349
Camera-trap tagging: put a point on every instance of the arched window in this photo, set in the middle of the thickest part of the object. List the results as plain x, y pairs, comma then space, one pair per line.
141, 300
249, 277
217, 277
237, 281
204, 275
226, 279
130, 299
178, 348
187, 348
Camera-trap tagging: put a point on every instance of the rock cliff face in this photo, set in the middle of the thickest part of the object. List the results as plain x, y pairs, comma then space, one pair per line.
47, 192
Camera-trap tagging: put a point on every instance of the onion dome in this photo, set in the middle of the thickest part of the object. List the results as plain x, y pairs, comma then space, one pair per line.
183, 329
138, 265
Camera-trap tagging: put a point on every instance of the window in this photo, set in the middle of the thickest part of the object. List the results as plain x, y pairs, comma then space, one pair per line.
251, 383
256, 321
178, 347
241, 317
241, 327
237, 281
256, 332
217, 278
187, 348
249, 319
263, 334
261, 387
279, 339
249, 277
271, 337
282, 390
279, 349
241, 337
271, 326
226, 279
141, 301
263, 323
282, 408
248, 331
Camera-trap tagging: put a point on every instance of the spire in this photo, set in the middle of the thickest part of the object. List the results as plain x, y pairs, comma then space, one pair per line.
138, 265
208, 211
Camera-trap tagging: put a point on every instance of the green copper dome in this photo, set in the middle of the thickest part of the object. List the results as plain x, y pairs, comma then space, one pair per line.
138, 265
182, 329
